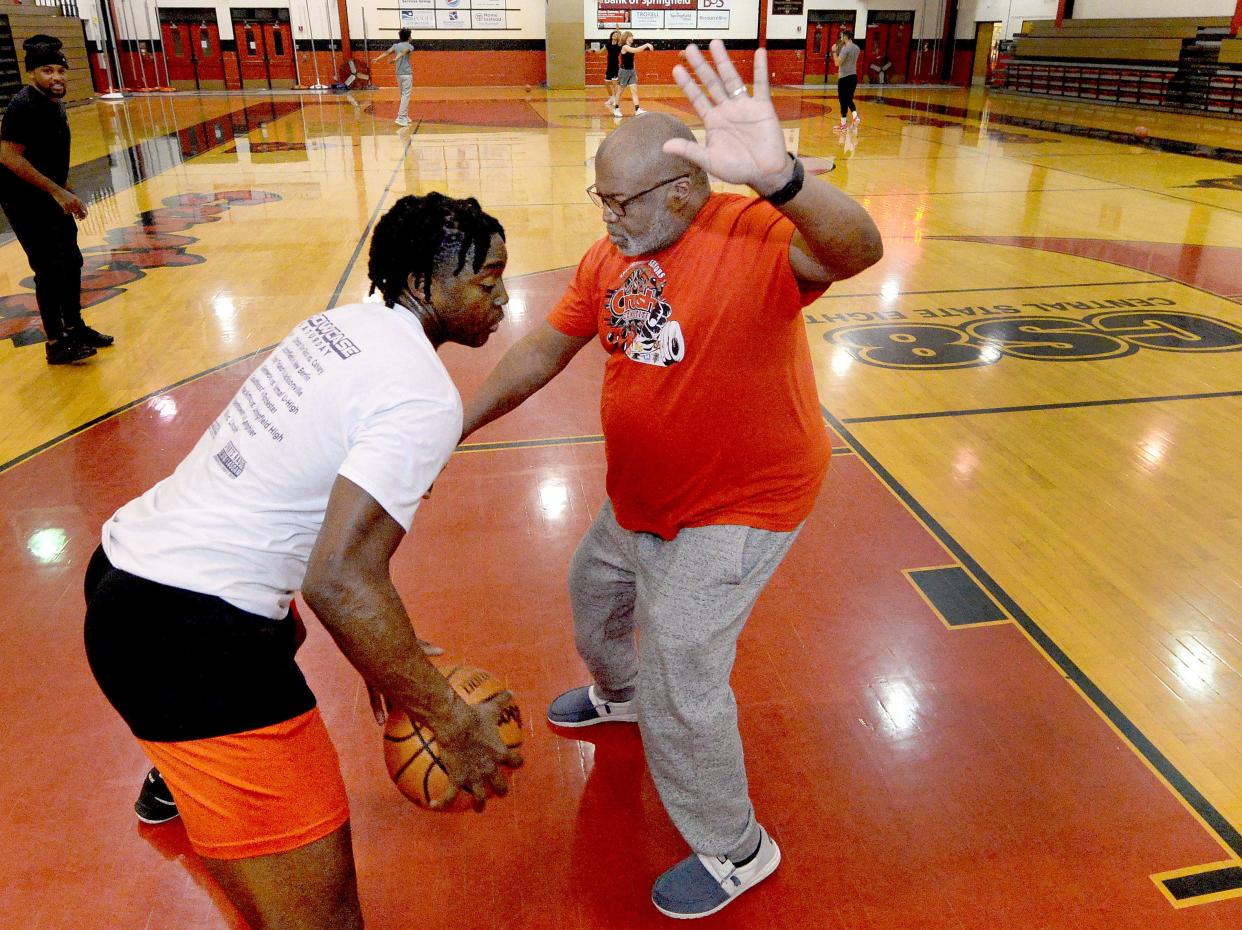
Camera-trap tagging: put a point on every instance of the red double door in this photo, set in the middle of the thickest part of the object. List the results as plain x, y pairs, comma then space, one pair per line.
821, 38
887, 40
195, 61
265, 54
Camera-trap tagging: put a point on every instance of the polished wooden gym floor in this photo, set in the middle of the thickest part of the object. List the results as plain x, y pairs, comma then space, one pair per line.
995, 684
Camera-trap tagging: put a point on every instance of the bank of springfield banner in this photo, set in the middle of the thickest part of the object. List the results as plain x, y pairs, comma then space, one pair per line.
422, 15
646, 16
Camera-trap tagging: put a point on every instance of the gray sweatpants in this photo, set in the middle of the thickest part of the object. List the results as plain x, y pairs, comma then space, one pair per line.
687, 599
406, 83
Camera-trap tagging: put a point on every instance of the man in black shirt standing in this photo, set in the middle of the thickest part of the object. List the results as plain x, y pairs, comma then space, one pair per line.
34, 169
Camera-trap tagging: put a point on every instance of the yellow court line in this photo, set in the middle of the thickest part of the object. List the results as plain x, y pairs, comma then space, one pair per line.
511, 444
1125, 740
1161, 877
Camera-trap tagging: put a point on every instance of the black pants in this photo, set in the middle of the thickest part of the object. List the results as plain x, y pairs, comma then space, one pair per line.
179, 665
50, 238
845, 93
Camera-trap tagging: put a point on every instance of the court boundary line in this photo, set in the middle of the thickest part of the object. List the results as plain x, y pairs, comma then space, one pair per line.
1016, 287
1025, 193
130, 405
117, 411
561, 441
1030, 408
1220, 828
379, 204
1228, 156
1145, 190
132, 154
1029, 161
505, 445
124, 408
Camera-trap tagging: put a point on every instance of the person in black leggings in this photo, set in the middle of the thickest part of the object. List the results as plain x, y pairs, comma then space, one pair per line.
613, 49
846, 59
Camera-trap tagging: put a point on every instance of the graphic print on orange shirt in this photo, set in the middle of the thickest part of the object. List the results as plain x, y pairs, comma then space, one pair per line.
640, 320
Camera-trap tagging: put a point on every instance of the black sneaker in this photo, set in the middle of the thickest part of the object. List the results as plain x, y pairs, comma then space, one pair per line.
84, 335
66, 351
155, 802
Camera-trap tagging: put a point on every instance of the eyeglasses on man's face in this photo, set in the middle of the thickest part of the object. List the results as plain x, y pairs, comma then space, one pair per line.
616, 205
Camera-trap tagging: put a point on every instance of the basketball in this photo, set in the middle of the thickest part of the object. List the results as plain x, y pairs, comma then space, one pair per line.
528, 88
410, 750
1140, 132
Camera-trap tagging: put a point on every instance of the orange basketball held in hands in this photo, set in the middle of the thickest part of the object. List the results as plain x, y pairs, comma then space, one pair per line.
410, 750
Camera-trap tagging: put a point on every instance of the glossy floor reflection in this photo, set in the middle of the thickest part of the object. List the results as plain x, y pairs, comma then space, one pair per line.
1035, 391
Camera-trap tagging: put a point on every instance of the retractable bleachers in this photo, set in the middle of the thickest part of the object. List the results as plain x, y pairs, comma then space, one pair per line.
1182, 63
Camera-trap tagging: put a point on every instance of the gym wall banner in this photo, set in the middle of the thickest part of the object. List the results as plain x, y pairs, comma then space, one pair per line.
647, 16
422, 15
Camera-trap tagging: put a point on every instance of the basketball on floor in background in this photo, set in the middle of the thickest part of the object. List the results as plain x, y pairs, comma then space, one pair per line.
1140, 132
410, 750
528, 88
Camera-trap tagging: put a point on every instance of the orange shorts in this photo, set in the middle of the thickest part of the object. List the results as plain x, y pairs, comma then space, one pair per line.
255, 793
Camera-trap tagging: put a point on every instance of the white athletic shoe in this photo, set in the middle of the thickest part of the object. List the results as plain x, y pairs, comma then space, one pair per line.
402, 121
639, 111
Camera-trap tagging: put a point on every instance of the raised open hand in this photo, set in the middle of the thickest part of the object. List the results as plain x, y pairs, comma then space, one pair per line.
744, 143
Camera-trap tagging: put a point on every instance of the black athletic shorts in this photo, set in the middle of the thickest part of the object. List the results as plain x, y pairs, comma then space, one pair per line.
179, 665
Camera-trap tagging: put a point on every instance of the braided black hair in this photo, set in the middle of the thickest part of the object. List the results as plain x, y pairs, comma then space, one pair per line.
420, 234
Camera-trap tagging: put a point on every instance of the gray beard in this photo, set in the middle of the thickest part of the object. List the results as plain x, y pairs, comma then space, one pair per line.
660, 234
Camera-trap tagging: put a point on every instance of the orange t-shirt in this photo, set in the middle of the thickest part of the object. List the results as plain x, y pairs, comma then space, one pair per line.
709, 405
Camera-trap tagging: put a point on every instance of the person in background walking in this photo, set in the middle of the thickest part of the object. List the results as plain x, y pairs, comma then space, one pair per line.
845, 56
627, 75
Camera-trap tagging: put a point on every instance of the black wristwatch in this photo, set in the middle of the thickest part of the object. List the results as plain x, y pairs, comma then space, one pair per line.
790, 190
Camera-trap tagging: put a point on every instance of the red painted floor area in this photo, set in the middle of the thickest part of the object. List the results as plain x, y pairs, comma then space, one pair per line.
915, 777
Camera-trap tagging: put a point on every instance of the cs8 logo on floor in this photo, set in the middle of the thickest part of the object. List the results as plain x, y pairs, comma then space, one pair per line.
1114, 334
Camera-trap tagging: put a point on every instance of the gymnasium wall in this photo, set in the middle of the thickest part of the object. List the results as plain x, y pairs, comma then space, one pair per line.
482, 57
524, 20
1013, 13
1150, 9
742, 20
925, 27
794, 27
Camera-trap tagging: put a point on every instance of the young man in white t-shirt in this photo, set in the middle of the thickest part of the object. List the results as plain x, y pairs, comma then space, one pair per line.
307, 480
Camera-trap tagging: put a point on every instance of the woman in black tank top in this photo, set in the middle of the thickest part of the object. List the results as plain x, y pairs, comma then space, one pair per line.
626, 75
613, 49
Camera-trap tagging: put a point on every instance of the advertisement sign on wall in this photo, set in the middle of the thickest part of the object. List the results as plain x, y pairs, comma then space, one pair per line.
657, 15
455, 15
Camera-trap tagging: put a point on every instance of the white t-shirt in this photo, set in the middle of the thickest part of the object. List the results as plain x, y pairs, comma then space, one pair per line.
358, 391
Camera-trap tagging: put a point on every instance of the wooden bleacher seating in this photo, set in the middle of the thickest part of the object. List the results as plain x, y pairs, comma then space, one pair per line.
26, 21
1178, 62
1138, 40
